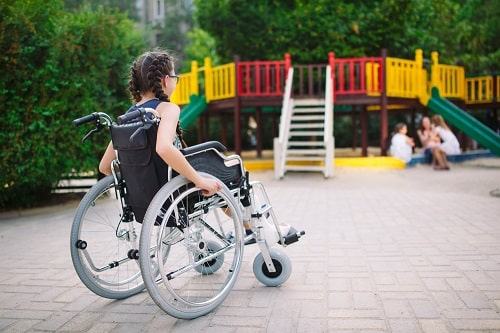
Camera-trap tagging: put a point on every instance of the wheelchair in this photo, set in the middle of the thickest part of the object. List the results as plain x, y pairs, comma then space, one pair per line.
187, 250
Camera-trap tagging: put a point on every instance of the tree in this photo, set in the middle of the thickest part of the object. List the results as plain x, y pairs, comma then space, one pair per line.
200, 46
178, 22
60, 66
124, 6
266, 29
476, 32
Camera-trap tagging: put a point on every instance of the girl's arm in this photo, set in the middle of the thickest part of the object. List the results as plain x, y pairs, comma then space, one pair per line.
423, 139
169, 114
107, 158
409, 141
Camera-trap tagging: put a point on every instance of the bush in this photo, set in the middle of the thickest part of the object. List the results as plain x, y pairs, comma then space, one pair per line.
60, 66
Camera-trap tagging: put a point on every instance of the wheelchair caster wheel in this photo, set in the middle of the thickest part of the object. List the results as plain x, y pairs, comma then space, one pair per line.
281, 263
213, 265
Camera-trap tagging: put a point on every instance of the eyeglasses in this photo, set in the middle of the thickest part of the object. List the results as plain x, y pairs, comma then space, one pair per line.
177, 78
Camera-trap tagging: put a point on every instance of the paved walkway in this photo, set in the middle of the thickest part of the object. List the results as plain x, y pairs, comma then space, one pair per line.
410, 250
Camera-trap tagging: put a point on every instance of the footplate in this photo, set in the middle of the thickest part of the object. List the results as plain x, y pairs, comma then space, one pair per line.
292, 236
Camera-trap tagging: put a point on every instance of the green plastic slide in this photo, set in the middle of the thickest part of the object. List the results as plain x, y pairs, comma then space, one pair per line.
484, 135
197, 104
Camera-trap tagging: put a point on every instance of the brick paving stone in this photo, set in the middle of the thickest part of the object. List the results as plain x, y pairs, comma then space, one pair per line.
404, 325
424, 309
58, 319
18, 326
385, 251
433, 326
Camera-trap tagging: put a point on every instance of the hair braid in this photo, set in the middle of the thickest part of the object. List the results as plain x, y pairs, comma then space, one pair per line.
134, 85
156, 72
146, 74
180, 134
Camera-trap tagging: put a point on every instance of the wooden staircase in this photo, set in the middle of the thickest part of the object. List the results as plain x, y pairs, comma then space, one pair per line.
306, 133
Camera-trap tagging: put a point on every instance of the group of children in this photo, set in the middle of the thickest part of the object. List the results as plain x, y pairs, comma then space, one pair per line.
435, 136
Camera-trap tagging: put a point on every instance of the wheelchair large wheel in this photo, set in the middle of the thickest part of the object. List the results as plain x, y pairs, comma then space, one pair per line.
191, 248
103, 245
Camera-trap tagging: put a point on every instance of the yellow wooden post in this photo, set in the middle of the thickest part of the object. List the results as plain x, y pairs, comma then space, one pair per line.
421, 78
208, 79
435, 70
194, 80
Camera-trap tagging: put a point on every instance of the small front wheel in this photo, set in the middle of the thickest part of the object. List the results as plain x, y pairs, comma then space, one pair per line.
281, 263
213, 265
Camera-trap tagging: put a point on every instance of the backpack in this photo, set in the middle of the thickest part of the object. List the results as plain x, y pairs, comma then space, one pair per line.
143, 169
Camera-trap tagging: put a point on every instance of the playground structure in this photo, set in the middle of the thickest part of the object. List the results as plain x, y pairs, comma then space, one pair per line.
368, 85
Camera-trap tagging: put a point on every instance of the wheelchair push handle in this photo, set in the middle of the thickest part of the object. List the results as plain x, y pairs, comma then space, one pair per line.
125, 118
99, 119
147, 116
86, 119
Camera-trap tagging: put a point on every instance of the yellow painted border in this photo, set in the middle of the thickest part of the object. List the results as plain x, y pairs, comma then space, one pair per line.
353, 162
370, 162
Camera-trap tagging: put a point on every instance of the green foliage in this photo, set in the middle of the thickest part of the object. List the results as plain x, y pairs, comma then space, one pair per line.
476, 35
172, 35
200, 46
124, 6
464, 30
59, 66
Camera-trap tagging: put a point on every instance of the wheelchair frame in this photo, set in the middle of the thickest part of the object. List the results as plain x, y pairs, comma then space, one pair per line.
190, 247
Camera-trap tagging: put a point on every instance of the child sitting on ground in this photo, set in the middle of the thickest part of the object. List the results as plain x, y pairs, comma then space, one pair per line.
401, 144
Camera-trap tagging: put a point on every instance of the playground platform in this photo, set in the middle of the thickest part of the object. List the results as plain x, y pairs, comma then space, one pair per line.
244, 92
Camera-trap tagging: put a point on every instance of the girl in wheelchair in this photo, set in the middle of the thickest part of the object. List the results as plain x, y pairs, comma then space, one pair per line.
197, 206
152, 81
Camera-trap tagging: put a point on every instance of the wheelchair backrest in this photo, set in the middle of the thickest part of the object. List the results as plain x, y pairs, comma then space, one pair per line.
143, 170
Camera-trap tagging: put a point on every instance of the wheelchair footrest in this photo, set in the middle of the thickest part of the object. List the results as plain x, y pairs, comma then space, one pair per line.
292, 236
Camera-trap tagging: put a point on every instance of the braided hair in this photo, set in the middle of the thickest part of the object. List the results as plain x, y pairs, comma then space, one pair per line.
146, 75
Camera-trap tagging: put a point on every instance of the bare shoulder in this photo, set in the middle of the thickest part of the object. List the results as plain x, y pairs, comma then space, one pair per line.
168, 109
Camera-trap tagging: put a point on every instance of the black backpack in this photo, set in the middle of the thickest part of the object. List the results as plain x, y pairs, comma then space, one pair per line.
143, 169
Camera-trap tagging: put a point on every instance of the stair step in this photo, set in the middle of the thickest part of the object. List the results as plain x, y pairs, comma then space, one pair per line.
309, 126
309, 101
306, 133
306, 151
304, 167
305, 144
307, 118
305, 158
308, 110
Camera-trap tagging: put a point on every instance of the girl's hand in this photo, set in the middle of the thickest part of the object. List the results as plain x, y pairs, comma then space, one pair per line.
208, 186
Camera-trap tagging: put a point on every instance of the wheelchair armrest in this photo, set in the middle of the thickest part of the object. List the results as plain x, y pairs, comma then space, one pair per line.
204, 146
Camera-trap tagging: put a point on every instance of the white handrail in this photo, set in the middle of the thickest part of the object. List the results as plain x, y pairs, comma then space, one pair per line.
285, 108
328, 105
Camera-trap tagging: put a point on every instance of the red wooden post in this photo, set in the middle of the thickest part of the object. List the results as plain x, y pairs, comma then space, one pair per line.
341, 77
237, 114
288, 62
384, 117
258, 134
352, 78
364, 131
331, 62
257, 78
362, 75
278, 82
